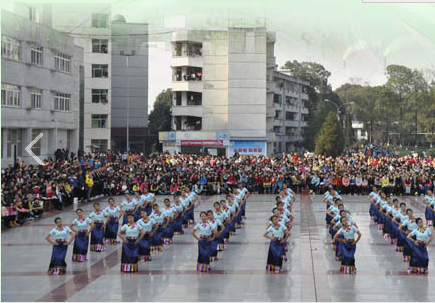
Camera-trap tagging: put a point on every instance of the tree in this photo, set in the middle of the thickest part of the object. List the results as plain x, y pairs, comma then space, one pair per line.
160, 117
330, 139
319, 89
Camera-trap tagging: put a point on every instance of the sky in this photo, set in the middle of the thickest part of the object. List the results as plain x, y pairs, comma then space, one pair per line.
351, 39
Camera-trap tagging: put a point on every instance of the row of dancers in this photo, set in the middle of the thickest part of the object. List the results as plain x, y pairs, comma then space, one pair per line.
146, 227
217, 226
278, 230
343, 230
398, 223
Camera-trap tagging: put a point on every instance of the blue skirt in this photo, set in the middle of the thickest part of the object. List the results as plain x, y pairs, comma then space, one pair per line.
204, 250
168, 233
407, 251
338, 252
275, 254
177, 225
97, 238
375, 214
387, 226
372, 210
226, 233
430, 215
401, 239
57, 262
111, 232
419, 257
394, 230
145, 248
328, 219
156, 241
214, 249
242, 213
191, 213
129, 257
347, 251
80, 250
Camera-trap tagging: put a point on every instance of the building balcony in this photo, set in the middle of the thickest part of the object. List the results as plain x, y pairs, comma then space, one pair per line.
291, 137
187, 123
277, 122
290, 123
304, 96
186, 61
292, 93
196, 111
291, 108
185, 86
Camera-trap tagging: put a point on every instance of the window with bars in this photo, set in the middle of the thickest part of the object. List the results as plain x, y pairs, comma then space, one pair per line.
62, 102
11, 48
11, 138
99, 46
62, 62
36, 99
100, 20
36, 55
99, 121
99, 96
100, 70
11, 95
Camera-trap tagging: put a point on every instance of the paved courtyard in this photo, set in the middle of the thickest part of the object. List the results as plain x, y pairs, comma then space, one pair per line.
311, 273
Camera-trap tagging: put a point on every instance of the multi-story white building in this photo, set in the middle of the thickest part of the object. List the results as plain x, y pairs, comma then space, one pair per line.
289, 111
40, 89
90, 26
223, 92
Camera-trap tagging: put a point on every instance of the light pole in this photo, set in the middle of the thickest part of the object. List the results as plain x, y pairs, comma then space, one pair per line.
127, 56
336, 105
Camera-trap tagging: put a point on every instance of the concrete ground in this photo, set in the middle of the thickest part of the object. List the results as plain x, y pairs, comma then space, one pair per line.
311, 273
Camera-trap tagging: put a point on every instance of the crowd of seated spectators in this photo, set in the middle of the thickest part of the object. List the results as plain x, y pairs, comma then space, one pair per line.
29, 190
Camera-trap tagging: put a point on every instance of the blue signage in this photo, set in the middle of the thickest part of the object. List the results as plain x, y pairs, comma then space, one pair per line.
246, 147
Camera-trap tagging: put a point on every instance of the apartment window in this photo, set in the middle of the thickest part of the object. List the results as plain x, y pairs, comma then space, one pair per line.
99, 145
11, 48
11, 95
62, 62
99, 96
36, 148
100, 71
100, 20
99, 45
36, 99
99, 121
36, 55
290, 116
277, 129
62, 102
277, 99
